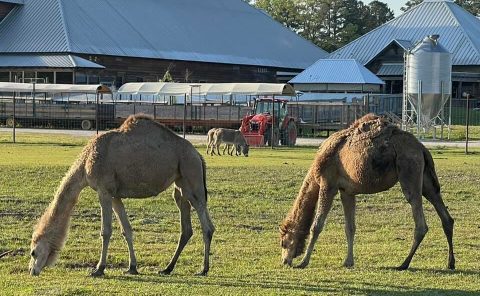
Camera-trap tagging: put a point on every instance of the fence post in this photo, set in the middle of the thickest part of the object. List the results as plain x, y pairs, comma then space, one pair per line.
14, 117
467, 123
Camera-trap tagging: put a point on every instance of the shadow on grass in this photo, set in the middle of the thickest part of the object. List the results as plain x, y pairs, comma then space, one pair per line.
436, 271
324, 286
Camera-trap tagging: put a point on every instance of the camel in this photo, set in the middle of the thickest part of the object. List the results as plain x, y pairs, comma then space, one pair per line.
370, 156
140, 159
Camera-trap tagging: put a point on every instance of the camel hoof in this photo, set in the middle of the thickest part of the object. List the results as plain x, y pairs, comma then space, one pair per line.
348, 264
451, 266
166, 271
132, 270
98, 272
401, 267
302, 265
202, 273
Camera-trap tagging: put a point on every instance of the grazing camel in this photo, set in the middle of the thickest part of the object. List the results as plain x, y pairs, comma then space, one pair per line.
140, 159
369, 157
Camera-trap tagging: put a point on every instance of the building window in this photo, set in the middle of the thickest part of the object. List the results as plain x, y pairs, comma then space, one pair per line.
262, 70
4, 76
80, 78
64, 77
45, 77
93, 79
17, 76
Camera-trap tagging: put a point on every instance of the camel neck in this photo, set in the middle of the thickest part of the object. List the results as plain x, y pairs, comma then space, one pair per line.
54, 222
303, 209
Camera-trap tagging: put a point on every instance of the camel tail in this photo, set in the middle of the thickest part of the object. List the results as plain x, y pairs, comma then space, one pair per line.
204, 175
430, 169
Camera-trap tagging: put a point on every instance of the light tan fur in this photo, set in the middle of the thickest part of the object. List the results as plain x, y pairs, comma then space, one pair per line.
369, 157
140, 159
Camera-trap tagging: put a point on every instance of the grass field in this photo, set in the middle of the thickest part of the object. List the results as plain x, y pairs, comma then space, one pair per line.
248, 198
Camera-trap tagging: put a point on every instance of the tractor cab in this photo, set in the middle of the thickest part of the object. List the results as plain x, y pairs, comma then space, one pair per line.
266, 107
257, 127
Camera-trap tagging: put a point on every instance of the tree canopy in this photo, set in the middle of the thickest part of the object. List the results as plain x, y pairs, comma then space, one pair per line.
472, 6
328, 23
333, 23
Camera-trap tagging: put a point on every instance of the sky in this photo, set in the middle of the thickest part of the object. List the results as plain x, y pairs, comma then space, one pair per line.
394, 5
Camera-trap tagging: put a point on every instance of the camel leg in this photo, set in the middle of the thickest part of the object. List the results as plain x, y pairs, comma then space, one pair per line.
349, 203
411, 184
325, 200
434, 197
106, 231
187, 232
127, 233
199, 203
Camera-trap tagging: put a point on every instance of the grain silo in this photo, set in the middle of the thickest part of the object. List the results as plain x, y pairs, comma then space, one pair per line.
427, 84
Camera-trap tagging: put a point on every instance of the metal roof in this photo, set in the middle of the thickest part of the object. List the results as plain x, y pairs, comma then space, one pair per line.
53, 88
217, 31
392, 69
13, 1
174, 89
46, 61
458, 29
341, 71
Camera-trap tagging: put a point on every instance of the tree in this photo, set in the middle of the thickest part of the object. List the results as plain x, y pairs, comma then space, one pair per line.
472, 6
378, 14
167, 77
283, 11
410, 4
328, 23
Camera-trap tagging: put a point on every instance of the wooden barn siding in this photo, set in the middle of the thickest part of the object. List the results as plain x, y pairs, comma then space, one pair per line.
153, 69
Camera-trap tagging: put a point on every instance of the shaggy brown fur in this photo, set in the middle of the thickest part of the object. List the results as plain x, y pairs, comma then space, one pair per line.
370, 156
140, 159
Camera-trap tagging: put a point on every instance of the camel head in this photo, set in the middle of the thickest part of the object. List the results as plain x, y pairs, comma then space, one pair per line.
42, 254
292, 244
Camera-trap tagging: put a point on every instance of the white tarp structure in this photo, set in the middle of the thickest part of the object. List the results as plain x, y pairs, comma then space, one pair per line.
205, 89
53, 88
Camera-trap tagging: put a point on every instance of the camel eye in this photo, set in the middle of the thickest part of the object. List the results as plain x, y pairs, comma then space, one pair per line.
33, 254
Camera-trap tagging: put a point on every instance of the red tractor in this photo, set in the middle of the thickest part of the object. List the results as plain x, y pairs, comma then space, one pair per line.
257, 128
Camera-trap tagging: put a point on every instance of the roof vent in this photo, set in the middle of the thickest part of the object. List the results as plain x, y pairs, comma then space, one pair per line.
434, 38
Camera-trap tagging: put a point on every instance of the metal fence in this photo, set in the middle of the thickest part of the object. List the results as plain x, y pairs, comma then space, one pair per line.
23, 111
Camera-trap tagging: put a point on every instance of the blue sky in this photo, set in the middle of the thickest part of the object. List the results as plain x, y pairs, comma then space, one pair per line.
394, 5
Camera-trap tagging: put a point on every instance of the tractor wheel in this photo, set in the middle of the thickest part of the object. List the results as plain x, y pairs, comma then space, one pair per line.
10, 122
291, 134
86, 125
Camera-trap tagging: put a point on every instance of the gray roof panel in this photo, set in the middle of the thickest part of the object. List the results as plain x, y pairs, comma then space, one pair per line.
459, 33
45, 61
341, 71
218, 31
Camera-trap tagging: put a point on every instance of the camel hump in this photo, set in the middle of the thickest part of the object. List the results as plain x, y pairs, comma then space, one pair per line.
133, 120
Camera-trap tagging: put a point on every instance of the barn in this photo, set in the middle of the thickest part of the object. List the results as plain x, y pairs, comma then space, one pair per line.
115, 42
382, 50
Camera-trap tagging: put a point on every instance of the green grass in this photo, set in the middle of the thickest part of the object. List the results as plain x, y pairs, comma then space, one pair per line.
248, 198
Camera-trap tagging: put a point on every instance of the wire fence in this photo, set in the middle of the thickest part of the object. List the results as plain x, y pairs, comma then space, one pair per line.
70, 113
